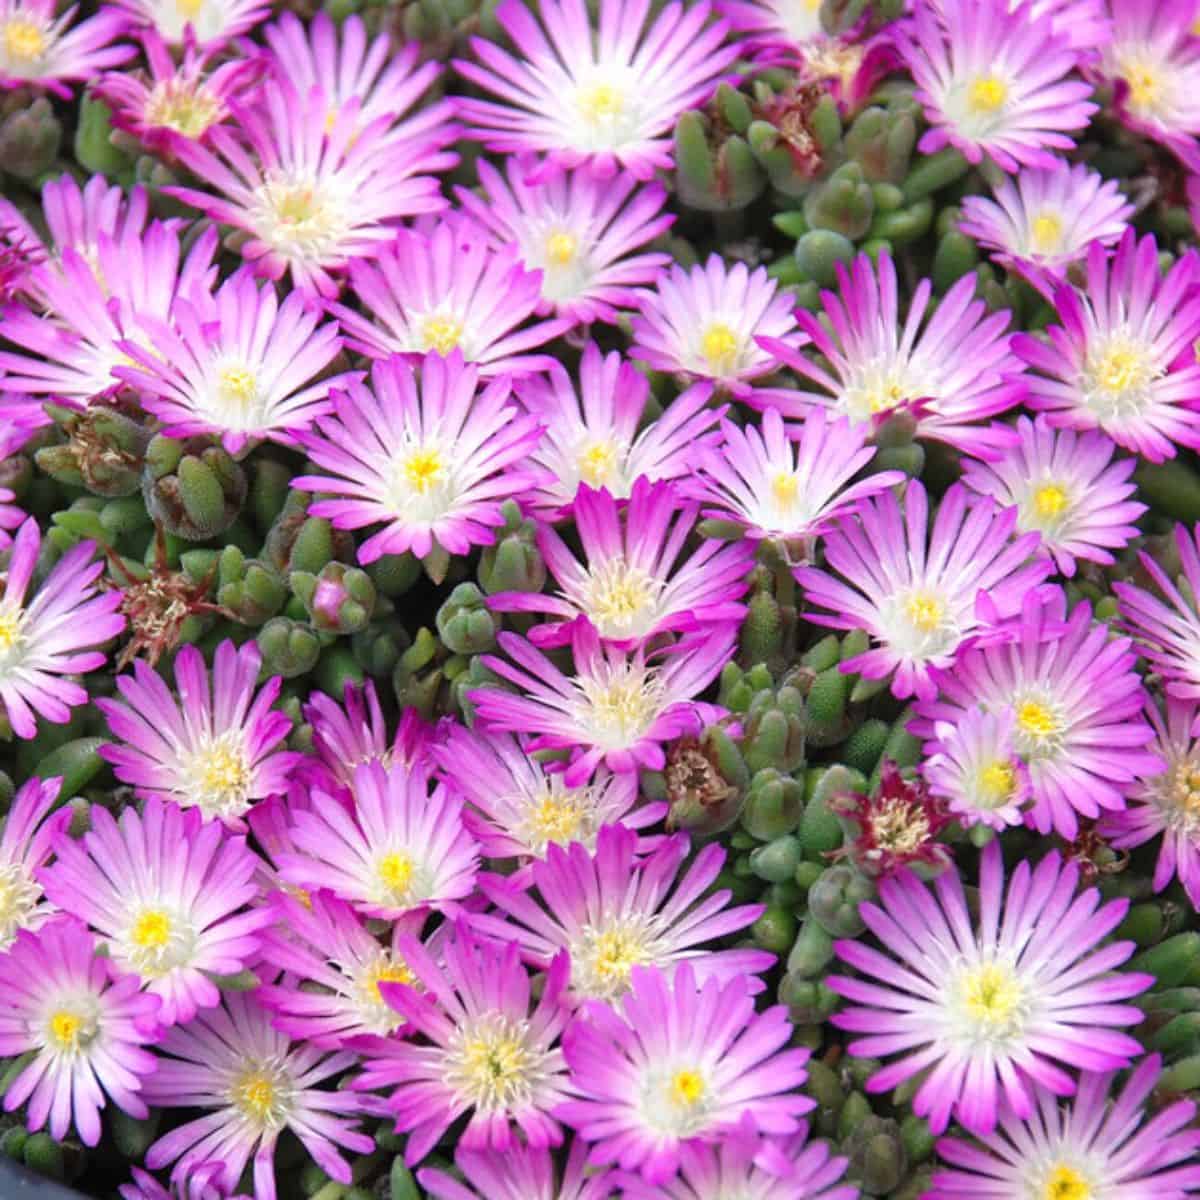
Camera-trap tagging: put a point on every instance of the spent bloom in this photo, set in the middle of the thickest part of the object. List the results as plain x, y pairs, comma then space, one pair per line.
47, 637
994, 1007
42, 47
26, 844
1066, 488
207, 22
428, 457
163, 891
921, 592
519, 1173
85, 1025
215, 746
607, 96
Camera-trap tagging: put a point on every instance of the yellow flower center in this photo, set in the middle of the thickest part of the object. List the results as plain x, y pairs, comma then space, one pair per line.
189, 9
991, 995
151, 929
597, 463
238, 386
987, 94
1121, 368
1050, 501
1046, 232
298, 205
785, 487
492, 1065
615, 953
225, 774
719, 345
23, 40
65, 1028
177, 107
925, 612
1145, 87
423, 469
687, 1088
997, 781
11, 621
395, 872
601, 103
621, 710
395, 972
1038, 721
618, 594
560, 248
441, 333
1065, 1183
557, 817
1185, 788
19, 896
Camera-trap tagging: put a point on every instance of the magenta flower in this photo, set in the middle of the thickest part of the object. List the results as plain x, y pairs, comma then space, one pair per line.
20, 418
994, 83
705, 324
950, 370
780, 25
163, 890
472, 1045
215, 746
633, 583
577, 230
519, 1173
605, 95
46, 638
995, 1008
202, 1183
40, 48
1121, 358
617, 709
676, 1064
1067, 489
85, 1025
612, 912
26, 844
919, 592
211, 23
425, 456
449, 290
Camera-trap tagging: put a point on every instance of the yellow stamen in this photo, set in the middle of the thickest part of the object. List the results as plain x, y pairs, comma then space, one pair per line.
396, 873
561, 247
225, 773
66, 1028
10, 629
785, 487
238, 386
687, 1088
1050, 501
256, 1095
618, 595
601, 103
557, 818
987, 94
151, 929
423, 470
388, 972
441, 333
189, 9
1046, 232
1065, 1183
719, 345
997, 781
597, 463
1145, 87
1122, 368
175, 106
616, 952
1185, 788
23, 40
991, 994
925, 612
1037, 720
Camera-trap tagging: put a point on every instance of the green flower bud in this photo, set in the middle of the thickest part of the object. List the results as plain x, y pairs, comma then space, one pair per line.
818, 253
378, 648
298, 542
880, 142
94, 147
834, 899
777, 860
812, 951
29, 140
193, 488
843, 203
340, 599
1179, 1036
514, 563
956, 256
856, 1110
774, 930
917, 1138
820, 830
878, 1161
716, 172
394, 574
774, 731
336, 668
464, 623
249, 589
909, 459
288, 648
421, 653
12, 1142
773, 805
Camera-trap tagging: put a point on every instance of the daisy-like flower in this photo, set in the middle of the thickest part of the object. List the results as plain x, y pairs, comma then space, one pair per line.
519, 1173
1153, 58
256, 1083
1113, 1147
992, 1008
211, 23
1166, 803
472, 1045
1065, 488
608, 95
312, 198
423, 455
677, 1063
237, 363
517, 809
41, 48
917, 590
592, 436
325, 942
85, 1025
214, 748
1045, 218
46, 638
577, 230
26, 844
619, 706
951, 370
612, 912
994, 83
634, 583
788, 483
1121, 358
449, 290
704, 323
163, 890
202, 1183
1078, 705
399, 847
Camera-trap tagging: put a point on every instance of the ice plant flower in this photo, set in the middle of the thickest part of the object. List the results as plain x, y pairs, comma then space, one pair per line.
994, 83
40, 48
1115, 1146
973, 765
951, 369
594, 435
163, 891
449, 290
612, 912
1121, 358
237, 363
46, 637
1045, 218
400, 847
991, 1008
1066, 488
85, 1025
619, 706
678, 1062
788, 483
203, 1183
473, 1046
917, 590
1166, 803
215, 747
775, 24
255, 1083
578, 231
519, 1173
1078, 705
428, 457
634, 583
26, 844
312, 198
704, 324
518, 809
608, 95
211, 23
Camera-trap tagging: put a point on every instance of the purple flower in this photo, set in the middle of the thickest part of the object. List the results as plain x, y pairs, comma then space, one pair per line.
26, 844
208, 22
989, 1009
202, 1183
40, 48
519, 1173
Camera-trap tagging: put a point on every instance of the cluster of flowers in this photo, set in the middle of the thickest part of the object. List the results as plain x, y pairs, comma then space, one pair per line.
485, 927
